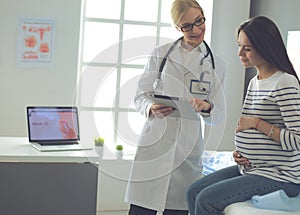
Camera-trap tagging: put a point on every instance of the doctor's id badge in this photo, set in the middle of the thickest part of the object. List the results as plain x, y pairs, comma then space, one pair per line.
199, 87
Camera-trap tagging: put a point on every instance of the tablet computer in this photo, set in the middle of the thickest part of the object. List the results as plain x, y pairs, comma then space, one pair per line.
182, 107
166, 100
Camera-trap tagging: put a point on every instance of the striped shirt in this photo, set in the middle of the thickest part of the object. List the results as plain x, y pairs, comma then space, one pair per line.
276, 100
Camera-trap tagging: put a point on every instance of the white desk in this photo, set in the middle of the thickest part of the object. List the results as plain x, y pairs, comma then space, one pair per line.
18, 149
47, 183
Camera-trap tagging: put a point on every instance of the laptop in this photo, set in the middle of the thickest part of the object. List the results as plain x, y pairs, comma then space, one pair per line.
53, 128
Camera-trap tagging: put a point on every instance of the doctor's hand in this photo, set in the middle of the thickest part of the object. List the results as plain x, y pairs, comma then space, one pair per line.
199, 105
160, 110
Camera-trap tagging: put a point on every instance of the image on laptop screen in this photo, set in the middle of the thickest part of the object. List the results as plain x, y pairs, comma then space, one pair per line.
46, 124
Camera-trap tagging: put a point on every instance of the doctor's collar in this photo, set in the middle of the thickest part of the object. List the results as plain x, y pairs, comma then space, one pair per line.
200, 48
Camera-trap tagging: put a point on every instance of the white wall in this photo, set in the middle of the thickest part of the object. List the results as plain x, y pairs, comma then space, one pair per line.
20, 87
227, 16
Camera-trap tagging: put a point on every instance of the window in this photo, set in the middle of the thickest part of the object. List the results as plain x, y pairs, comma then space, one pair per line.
293, 49
117, 37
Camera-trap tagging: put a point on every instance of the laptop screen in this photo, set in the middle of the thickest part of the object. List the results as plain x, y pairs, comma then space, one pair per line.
52, 124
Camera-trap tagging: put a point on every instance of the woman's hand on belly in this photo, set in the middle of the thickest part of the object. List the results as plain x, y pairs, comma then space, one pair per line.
239, 159
247, 122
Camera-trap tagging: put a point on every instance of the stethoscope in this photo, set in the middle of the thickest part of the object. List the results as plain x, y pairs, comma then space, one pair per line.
158, 82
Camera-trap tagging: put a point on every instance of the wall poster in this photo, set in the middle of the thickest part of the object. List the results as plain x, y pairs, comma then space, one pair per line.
35, 42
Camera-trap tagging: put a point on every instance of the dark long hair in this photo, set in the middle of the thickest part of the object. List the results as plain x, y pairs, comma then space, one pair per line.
266, 39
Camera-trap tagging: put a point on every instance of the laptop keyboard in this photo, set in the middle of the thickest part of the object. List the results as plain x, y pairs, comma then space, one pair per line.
60, 147
58, 143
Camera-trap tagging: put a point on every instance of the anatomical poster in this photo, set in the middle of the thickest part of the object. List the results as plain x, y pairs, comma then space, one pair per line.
35, 42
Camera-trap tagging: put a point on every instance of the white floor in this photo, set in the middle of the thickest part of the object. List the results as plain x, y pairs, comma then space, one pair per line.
115, 213
236, 209
112, 213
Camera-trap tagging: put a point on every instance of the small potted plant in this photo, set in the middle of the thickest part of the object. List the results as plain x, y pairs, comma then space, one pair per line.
119, 151
99, 141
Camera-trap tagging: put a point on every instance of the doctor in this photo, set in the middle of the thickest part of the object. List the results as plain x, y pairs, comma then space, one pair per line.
168, 157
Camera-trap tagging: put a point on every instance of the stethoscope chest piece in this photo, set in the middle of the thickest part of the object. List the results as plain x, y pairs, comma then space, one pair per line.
158, 85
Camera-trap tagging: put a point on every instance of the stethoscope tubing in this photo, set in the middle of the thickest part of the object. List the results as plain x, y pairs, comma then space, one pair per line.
209, 52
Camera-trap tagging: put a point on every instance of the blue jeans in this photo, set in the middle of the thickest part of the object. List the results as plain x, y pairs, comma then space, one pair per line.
213, 193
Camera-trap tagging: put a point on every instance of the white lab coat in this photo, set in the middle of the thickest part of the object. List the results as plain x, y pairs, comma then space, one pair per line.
168, 157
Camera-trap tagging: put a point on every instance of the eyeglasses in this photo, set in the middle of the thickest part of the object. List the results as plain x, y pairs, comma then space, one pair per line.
189, 26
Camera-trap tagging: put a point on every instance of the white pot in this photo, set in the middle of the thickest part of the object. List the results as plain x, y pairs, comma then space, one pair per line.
99, 150
119, 153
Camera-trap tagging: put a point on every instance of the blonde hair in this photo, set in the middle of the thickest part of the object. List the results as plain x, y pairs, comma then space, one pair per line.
179, 7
